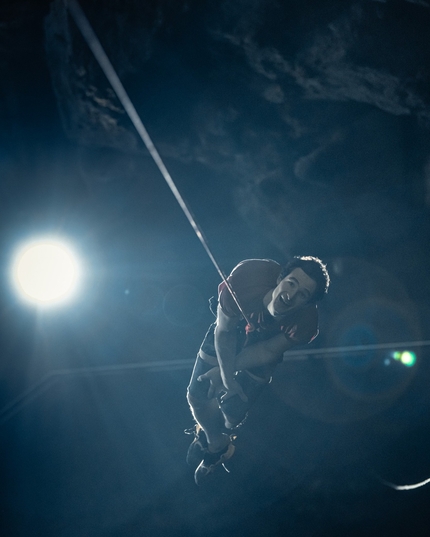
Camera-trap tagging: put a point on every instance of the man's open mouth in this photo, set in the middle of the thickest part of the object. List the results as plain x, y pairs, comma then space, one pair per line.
282, 299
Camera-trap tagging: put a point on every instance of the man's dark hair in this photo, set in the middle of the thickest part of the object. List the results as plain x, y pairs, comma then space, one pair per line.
314, 268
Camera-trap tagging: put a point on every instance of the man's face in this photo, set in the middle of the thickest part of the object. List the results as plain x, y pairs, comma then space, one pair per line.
294, 291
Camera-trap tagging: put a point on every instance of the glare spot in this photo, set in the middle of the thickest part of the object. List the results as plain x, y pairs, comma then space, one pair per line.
45, 272
407, 358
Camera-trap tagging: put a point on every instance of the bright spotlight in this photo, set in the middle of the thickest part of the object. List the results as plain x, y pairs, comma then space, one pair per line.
45, 272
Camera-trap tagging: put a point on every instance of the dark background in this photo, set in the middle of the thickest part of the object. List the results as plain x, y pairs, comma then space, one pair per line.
290, 128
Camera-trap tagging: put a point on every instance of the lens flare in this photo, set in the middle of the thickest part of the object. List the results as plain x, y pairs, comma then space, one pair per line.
407, 358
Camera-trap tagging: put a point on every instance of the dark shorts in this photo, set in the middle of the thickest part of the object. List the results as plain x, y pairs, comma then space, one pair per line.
234, 408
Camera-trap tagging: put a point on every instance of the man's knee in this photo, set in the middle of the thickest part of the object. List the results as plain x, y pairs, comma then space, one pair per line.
196, 401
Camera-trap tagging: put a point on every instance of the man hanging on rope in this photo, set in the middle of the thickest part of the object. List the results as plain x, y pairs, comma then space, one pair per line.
237, 357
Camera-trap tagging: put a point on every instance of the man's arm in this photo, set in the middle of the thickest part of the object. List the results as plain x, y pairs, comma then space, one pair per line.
225, 345
266, 352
